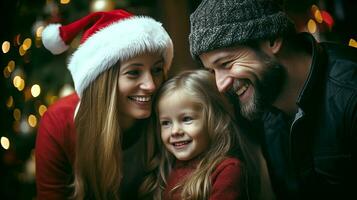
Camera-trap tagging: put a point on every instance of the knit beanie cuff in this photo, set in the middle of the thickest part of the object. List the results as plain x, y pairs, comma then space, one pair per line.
204, 39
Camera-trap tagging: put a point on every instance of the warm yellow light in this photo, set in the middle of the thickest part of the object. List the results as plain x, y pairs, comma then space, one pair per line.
5, 143
352, 43
311, 26
27, 44
17, 114
318, 16
6, 72
22, 51
5, 46
53, 99
11, 65
10, 102
22, 85
65, 1
32, 120
17, 81
102, 5
42, 109
35, 90
39, 31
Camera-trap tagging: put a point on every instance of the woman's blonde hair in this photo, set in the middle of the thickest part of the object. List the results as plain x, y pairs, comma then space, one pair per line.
225, 140
98, 143
98, 169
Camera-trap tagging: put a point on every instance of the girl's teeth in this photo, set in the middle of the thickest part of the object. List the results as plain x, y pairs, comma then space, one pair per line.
181, 143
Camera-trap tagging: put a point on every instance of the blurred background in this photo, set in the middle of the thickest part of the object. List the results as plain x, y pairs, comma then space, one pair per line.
32, 79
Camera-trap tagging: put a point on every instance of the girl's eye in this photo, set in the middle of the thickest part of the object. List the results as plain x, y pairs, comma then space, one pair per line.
187, 119
165, 123
157, 70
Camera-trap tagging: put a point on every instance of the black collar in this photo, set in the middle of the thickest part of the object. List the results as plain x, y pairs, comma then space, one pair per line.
313, 88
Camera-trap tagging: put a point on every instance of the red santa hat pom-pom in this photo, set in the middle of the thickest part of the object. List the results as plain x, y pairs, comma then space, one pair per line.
52, 40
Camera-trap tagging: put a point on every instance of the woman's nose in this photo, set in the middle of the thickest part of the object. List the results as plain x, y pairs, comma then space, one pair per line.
148, 83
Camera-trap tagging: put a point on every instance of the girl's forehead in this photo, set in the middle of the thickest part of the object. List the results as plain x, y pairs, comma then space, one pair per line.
180, 96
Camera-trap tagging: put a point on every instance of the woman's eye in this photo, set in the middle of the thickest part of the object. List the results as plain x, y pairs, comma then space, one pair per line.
133, 73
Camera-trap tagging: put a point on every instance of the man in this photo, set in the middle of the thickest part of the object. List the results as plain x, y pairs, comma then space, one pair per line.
303, 93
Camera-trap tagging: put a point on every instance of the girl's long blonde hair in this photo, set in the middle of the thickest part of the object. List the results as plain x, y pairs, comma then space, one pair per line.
225, 137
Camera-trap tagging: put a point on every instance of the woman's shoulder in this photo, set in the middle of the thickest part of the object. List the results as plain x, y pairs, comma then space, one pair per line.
66, 103
62, 108
59, 118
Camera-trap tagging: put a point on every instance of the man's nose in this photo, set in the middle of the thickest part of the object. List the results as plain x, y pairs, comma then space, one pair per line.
223, 80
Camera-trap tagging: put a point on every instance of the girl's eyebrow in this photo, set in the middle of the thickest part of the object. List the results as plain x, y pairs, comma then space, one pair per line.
159, 61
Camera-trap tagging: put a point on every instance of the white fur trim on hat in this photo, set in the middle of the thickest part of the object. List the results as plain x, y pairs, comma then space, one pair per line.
52, 40
119, 41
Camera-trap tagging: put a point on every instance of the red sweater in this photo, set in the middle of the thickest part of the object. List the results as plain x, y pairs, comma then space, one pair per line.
225, 179
55, 154
55, 150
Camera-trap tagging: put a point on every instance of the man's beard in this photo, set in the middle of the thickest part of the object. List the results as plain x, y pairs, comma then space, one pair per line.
266, 90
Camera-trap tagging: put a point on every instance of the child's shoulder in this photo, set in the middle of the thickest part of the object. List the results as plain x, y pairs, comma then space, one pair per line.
229, 164
229, 169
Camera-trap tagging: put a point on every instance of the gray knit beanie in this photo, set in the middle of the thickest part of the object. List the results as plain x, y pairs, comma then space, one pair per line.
223, 23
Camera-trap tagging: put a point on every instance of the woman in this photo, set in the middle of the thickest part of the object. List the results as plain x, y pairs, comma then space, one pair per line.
97, 141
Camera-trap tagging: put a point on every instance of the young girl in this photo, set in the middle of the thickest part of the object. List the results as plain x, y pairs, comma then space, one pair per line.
204, 155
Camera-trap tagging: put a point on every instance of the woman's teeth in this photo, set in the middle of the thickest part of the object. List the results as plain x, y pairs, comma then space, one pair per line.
141, 99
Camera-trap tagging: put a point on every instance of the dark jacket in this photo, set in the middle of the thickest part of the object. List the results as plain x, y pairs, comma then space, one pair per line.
314, 155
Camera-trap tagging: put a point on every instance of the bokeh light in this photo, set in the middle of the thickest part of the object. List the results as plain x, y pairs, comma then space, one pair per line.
5, 46
32, 120
11, 65
352, 43
17, 114
35, 90
27, 44
42, 109
10, 102
311, 26
5, 143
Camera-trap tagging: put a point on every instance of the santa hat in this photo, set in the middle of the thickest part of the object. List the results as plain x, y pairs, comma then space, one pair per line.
107, 38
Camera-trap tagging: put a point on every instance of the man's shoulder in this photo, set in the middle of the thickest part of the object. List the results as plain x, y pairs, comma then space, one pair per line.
342, 65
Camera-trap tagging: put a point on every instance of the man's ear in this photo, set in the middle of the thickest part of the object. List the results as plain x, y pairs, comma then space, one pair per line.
275, 45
